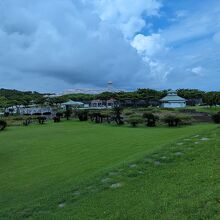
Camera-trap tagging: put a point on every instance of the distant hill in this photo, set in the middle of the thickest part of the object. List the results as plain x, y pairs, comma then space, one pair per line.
9, 96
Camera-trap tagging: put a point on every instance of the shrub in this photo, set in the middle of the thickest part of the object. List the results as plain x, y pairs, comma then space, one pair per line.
82, 115
216, 118
96, 116
68, 114
56, 119
59, 114
117, 112
41, 119
128, 113
172, 120
150, 119
3, 125
27, 121
185, 119
134, 120
37, 113
47, 113
6, 114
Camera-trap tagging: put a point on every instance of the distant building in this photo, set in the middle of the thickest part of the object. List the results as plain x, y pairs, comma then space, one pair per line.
172, 100
28, 110
111, 103
72, 104
194, 101
97, 103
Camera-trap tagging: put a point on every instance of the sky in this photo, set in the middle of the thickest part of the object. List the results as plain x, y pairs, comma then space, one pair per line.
56, 45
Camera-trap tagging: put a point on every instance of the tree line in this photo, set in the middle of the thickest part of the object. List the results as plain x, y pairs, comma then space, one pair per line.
14, 97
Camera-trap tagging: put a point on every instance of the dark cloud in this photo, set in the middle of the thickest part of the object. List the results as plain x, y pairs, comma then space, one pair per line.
64, 40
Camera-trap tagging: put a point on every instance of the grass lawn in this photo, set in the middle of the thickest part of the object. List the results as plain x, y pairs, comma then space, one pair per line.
53, 172
208, 109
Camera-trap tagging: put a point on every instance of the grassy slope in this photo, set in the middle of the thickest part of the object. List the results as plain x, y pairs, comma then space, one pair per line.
185, 185
41, 165
213, 109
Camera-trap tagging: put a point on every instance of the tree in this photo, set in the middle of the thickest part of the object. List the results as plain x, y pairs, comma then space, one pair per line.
96, 116
56, 119
150, 119
172, 120
216, 118
117, 112
41, 120
3, 102
3, 125
212, 98
134, 120
82, 115
68, 114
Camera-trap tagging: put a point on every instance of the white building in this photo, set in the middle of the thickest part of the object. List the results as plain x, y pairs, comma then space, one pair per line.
172, 100
72, 104
30, 110
111, 103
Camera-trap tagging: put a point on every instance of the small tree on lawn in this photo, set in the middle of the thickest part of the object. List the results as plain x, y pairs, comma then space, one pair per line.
41, 120
134, 120
172, 120
82, 115
216, 118
117, 112
68, 114
56, 119
96, 116
27, 121
150, 119
3, 125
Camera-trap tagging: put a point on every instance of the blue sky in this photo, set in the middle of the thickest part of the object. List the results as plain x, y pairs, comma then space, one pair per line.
57, 45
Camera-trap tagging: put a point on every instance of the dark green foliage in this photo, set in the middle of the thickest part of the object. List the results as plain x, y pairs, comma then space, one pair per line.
212, 98
68, 114
134, 120
147, 96
27, 121
106, 95
35, 113
190, 93
13, 97
56, 119
172, 120
3, 125
41, 120
96, 117
6, 114
82, 115
150, 119
117, 112
59, 114
216, 118
106, 115
57, 100
47, 113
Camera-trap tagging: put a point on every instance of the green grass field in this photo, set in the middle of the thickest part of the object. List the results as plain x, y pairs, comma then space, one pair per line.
207, 109
76, 170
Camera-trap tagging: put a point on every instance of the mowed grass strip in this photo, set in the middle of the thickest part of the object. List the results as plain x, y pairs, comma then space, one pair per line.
176, 182
40, 164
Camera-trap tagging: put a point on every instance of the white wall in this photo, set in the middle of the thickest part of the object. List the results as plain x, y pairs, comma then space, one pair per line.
173, 105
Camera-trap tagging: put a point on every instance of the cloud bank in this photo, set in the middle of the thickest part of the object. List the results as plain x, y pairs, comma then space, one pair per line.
59, 44
80, 42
